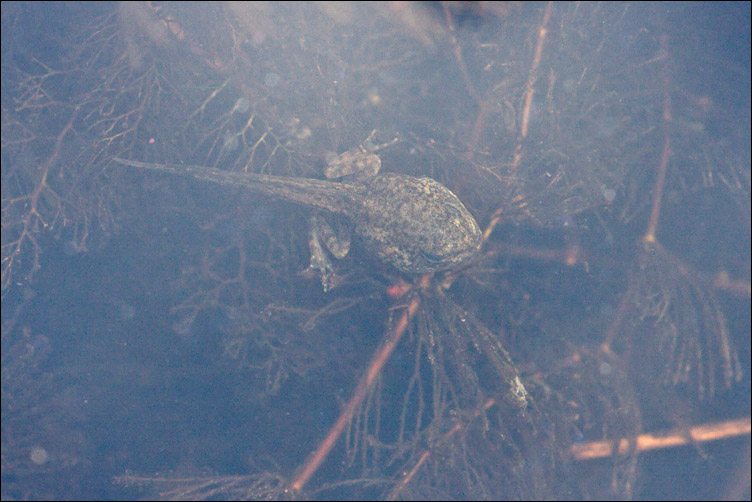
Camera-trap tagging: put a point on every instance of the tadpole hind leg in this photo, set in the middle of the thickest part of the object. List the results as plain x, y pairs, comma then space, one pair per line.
321, 234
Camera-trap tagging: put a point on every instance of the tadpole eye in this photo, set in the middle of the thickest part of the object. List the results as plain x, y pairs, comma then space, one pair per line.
432, 258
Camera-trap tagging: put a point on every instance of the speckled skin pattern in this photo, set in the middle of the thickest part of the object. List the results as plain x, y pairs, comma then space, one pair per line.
416, 224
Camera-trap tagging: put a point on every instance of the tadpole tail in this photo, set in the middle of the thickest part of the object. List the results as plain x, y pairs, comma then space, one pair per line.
326, 195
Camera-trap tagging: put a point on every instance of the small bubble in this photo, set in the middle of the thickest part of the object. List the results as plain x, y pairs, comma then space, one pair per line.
271, 79
373, 97
609, 195
39, 455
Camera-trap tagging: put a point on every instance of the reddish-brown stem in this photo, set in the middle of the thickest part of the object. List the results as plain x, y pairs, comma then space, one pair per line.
652, 441
660, 180
365, 384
